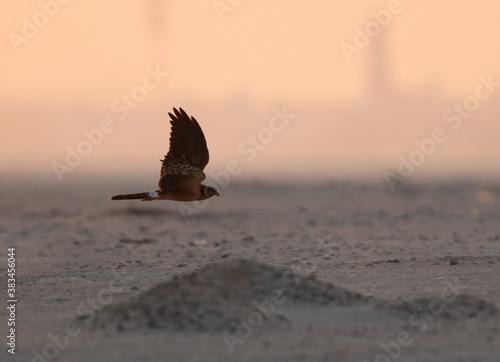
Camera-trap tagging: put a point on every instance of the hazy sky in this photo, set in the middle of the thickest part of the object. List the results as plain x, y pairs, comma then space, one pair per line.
64, 65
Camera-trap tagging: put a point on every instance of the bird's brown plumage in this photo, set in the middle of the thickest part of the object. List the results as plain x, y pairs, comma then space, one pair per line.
182, 168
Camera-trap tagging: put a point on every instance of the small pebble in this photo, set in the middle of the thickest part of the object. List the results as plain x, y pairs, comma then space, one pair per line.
292, 261
453, 261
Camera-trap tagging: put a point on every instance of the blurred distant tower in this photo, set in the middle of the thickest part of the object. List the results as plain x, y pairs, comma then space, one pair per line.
380, 85
156, 28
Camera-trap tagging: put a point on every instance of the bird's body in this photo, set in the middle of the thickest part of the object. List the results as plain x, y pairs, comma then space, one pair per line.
182, 168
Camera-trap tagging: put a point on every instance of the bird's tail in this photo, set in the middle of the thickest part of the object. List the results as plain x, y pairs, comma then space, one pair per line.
144, 196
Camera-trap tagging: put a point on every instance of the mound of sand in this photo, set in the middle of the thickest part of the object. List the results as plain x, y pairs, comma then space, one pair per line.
462, 307
221, 296
218, 297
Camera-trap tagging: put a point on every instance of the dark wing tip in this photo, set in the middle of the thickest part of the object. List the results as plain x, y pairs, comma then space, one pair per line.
182, 117
178, 114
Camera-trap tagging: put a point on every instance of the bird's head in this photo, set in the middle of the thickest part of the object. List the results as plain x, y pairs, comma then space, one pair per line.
208, 192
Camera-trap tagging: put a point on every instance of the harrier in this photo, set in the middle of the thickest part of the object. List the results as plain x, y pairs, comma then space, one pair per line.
181, 171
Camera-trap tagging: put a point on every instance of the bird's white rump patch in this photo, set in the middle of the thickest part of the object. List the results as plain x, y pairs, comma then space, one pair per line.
153, 194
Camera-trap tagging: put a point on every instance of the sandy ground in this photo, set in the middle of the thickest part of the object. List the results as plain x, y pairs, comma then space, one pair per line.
339, 271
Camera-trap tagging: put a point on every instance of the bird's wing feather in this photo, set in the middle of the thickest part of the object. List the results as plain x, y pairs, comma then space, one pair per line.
187, 141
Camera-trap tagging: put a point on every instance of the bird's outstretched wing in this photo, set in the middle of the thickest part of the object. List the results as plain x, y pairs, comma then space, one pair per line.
187, 157
187, 141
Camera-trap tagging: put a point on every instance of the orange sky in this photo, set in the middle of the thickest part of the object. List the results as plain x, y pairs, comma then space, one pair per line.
231, 73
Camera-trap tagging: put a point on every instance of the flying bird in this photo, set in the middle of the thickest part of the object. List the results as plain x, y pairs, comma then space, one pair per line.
182, 168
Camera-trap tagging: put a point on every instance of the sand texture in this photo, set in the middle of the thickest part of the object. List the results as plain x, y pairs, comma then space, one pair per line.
338, 271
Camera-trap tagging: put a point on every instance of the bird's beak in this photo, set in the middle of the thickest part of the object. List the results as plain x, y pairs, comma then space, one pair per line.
217, 193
